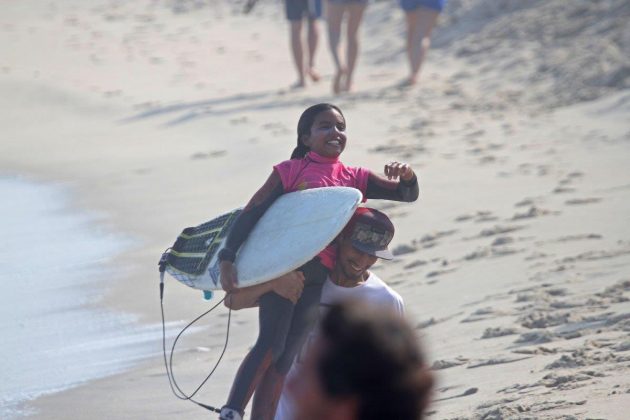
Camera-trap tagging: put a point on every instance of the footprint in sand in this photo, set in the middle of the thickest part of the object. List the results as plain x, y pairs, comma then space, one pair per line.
433, 321
208, 155
434, 236
567, 382
540, 319
496, 361
483, 314
533, 212
498, 332
585, 357
239, 121
480, 216
498, 230
491, 252
403, 249
437, 273
414, 264
582, 201
535, 337
536, 351
445, 364
563, 190
469, 391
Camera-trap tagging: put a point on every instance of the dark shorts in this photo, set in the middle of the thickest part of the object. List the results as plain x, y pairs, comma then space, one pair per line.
411, 5
298, 9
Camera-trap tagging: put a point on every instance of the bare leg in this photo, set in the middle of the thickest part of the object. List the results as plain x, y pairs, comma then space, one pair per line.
354, 22
334, 17
420, 24
313, 41
297, 50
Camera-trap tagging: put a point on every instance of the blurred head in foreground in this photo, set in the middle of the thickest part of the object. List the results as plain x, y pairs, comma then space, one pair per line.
365, 364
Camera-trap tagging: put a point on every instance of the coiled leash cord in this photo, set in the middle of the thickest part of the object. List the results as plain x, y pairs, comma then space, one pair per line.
168, 363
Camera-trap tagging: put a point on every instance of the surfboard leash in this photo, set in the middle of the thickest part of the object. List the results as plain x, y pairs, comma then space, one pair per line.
168, 362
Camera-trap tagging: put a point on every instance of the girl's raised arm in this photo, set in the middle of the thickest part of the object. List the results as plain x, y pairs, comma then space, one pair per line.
401, 184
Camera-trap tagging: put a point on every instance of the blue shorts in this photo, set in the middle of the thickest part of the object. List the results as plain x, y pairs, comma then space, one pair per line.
410, 5
298, 9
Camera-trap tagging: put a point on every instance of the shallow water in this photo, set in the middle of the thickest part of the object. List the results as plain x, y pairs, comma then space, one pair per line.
55, 261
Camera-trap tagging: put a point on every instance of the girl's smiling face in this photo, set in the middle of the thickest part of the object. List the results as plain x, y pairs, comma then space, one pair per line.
328, 134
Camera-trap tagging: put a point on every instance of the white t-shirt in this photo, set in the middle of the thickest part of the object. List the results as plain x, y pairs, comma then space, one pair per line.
373, 291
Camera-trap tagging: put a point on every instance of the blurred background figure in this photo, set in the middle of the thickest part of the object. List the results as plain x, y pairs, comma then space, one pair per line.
298, 11
365, 364
352, 11
421, 16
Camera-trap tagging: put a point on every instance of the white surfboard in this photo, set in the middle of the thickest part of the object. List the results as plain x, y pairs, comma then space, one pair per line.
292, 231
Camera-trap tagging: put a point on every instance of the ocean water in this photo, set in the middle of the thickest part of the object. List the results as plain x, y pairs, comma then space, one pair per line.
54, 261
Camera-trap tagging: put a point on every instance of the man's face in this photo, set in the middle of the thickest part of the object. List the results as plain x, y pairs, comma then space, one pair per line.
352, 262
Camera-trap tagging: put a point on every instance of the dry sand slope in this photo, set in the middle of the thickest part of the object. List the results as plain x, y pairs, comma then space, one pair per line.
514, 264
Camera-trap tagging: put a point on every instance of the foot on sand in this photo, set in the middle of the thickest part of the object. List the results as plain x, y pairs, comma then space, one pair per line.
300, 84
338, 81
313, 74
408, 82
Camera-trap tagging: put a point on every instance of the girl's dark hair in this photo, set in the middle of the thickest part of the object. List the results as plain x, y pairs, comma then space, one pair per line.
304, 126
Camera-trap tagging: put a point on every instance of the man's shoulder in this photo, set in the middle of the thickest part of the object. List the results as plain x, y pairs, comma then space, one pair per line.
375, 282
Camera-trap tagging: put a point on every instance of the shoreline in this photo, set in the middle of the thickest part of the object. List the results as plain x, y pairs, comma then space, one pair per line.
61, 334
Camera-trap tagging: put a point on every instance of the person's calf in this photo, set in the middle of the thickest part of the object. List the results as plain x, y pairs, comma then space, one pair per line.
267, 395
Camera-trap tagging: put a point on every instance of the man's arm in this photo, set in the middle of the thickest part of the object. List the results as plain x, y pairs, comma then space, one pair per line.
289, 286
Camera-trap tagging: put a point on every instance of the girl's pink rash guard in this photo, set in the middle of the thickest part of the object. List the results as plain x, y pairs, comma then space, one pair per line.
316, 171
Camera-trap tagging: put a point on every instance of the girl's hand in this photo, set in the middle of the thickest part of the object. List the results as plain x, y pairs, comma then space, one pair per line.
289, 286
400, 170
229, 281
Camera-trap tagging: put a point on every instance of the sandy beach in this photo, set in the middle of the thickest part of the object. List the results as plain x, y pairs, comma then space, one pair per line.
514, 264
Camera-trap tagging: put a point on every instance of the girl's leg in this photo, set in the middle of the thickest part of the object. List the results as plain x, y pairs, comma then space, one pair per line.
304, 318
275, 315
354, 22
420, 24
334, 17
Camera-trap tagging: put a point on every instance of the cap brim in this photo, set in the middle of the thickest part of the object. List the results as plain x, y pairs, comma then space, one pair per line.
380, 253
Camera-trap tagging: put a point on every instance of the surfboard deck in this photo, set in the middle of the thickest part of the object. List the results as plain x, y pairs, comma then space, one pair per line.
292, 231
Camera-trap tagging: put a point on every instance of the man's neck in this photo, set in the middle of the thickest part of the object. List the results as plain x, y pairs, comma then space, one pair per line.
338, 278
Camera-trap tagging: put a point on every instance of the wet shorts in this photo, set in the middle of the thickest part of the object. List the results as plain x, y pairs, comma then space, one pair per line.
297, 9
410, 5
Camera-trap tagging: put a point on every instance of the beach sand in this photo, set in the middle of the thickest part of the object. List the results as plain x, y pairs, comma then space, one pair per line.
514, 264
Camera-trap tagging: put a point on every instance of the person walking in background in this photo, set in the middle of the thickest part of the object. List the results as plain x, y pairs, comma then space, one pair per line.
364, 364
421, 16
304, 58
336, 10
